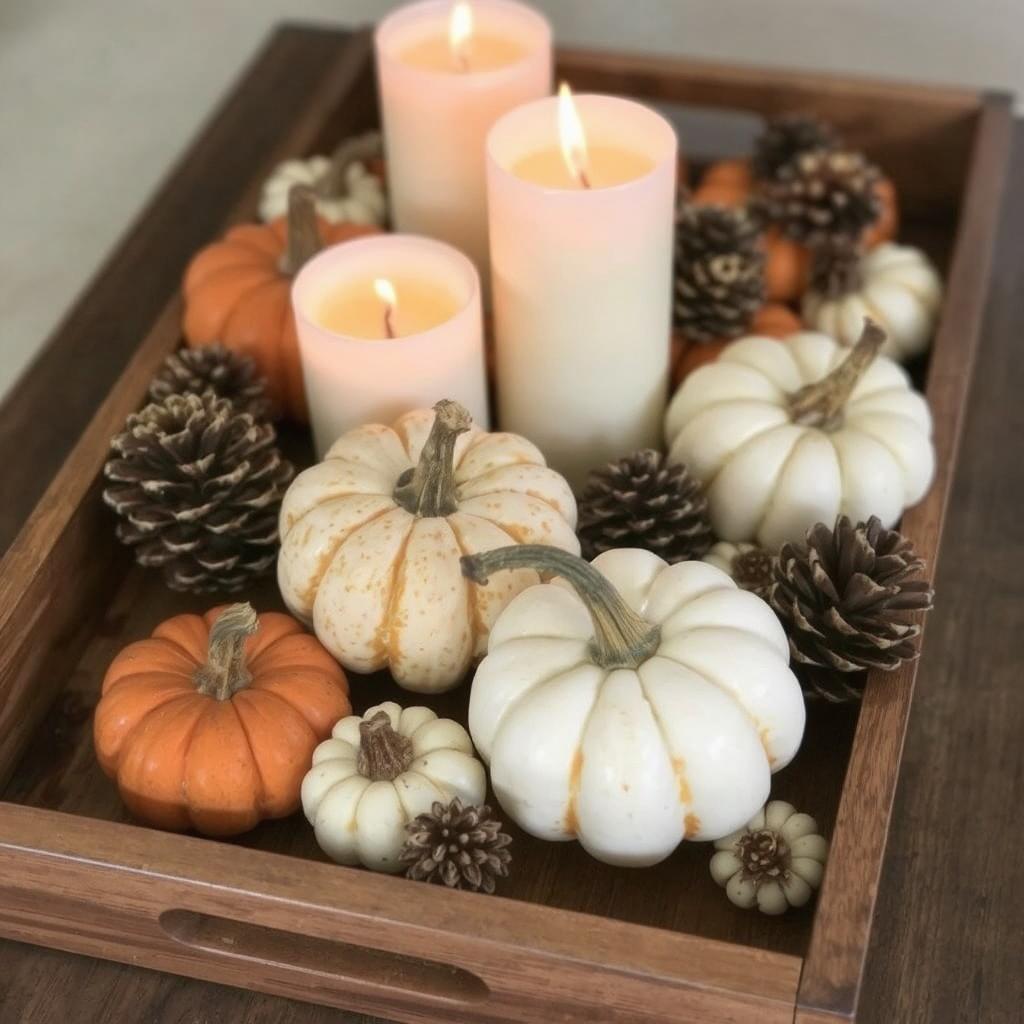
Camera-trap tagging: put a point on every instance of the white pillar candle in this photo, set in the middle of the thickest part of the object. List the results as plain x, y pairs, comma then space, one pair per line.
447, 71
388, 323
581, 263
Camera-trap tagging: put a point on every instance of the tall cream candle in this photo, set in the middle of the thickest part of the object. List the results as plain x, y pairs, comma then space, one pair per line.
581, 256
447, 71
388, 323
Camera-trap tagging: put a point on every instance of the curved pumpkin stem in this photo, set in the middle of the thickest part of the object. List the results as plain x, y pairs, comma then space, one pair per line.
360, 149
384, 753
622, 638
303, 230
429, 489
821, 404
225, 671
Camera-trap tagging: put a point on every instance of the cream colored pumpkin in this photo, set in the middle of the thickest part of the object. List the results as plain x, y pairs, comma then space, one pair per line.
377, 772
774, 863
371, 539
788, 434
895, 285
345, 187
631, 704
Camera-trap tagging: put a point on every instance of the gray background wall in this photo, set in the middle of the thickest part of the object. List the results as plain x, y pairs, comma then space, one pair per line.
98, 96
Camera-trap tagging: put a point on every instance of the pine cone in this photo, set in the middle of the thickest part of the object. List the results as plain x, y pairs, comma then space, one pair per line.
786, 137
719, 269
844, 595
198, 486
752, 568
823, 196
461, 847
829, 684
194, 371
643, 502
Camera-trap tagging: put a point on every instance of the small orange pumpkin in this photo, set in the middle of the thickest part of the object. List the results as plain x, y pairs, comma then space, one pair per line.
211, 723
238, 292
772, 320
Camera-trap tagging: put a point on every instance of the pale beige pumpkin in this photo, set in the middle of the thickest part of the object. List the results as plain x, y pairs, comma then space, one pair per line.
371, 540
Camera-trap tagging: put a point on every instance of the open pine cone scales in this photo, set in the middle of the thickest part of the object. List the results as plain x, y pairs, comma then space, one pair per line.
194, 371
198, 488
846, 594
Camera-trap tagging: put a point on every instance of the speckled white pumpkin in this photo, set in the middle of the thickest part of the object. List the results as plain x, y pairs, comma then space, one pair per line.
371, 539
771, 470
377, 772
898, 287
640, 705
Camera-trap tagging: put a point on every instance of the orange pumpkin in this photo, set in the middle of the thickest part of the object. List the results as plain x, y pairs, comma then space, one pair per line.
211, 723
772, 320
238, 292
787, 263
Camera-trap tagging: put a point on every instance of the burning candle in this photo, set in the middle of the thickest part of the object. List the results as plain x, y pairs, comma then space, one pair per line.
447, 71
388, 323
581, 197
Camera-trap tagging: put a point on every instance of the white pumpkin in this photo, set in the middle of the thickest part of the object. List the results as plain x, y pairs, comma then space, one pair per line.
895, 285
345, 188
377, 772
774, 863
786, 434
632, 704
371, 539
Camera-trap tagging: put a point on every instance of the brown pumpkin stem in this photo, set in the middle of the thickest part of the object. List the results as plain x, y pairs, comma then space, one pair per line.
429, 489
360, 149
303, 230
225, 671
821, 404
622, 638
384, 753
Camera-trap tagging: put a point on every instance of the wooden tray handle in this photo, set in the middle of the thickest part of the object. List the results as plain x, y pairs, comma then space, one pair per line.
328, 962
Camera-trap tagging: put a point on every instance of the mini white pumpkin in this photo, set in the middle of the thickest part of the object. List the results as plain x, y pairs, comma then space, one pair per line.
345, 188
377, 772
786, 434
631, 704
371, 539
775, 862
895, 285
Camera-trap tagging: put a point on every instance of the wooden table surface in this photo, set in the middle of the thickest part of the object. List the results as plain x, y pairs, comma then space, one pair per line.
949, 931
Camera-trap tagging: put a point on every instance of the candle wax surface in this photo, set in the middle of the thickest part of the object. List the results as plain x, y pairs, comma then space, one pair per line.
483, 53
354, 309
606, 166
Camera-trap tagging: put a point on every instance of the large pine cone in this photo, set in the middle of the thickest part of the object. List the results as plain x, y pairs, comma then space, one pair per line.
821, 197
642, 502
198, 487
785, 138
720, 282
845, 597
194, 371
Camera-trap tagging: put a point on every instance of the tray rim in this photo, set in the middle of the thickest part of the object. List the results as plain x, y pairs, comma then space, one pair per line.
828, 985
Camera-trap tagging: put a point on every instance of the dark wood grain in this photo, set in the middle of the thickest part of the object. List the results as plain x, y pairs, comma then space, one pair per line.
57, 772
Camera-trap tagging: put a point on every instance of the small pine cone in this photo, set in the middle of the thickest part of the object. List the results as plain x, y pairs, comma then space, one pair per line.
194, 371
198, 487
844, 595
823, 197
460, 847
641, 501
719, 269
786, 137
752, 568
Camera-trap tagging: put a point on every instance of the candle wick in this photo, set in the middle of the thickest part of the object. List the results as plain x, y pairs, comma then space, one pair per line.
462, 60
389, 324
584, 178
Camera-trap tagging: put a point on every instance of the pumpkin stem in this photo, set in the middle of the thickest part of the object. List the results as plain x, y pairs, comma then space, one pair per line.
303, 230
225, 672
821, 404
622, 638
384, 753
360, 149
429, 489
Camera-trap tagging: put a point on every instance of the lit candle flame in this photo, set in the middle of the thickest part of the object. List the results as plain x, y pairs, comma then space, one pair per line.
572, 137
460, 31
385, 291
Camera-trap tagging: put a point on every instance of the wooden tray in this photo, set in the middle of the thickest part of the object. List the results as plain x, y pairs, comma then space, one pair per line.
569, 938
